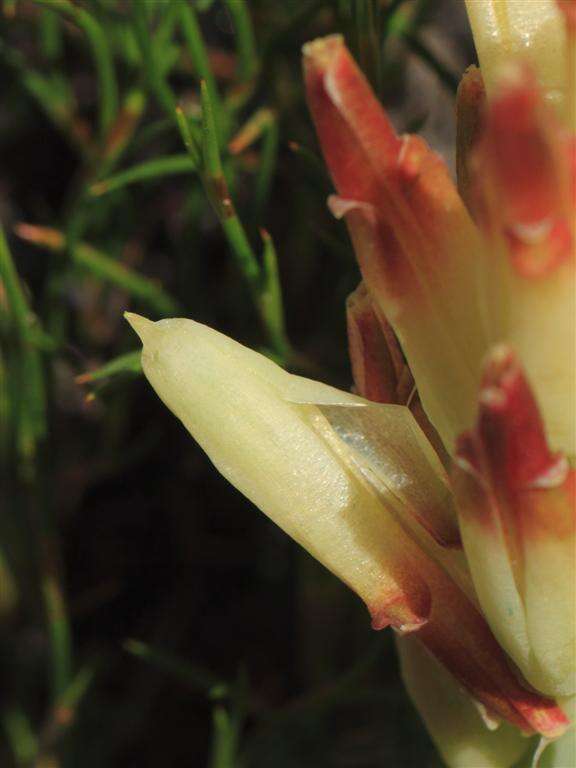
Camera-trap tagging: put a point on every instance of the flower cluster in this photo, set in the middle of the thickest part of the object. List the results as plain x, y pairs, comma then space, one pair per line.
442, 492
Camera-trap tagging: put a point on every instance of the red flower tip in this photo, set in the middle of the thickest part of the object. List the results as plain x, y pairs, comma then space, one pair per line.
510, 425
523, 175
568, 8
377, 360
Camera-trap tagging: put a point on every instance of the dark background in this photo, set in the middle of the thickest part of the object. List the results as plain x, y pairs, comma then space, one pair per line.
200, 635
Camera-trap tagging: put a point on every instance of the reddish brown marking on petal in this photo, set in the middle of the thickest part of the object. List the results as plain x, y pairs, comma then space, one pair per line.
524, 177
548, 513
394, 612
506, 470
530, 258
426, 426
510, 426
459, 637
475, 497
434, 213
385, 268
520, 150
401, 610
374, 350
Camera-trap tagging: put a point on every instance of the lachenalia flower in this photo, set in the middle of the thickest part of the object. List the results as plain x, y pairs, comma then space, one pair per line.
443, 492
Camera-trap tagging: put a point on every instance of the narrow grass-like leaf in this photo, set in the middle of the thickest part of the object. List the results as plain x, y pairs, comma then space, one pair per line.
199, 56
27, 376
103, 266
18, 304
150, 170
20, 736
217, 189
127, 364
219, 195
176, 667
107, 86
62, 715
50, 35
122, 130
155, 73
26, 365
106, 268
190, 136
224, 739
9, 592
390, 22
267, 166
58, 629
210, 148
78, 688
167, 52
271, 298
251, 130
246, 40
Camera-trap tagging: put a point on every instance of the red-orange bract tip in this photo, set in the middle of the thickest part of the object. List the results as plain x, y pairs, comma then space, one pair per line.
568, 8
410, 229
377, 361
523, 176
510, 426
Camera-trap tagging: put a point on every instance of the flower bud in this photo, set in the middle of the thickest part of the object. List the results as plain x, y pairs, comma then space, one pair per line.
256, 424
356, 484
524, 175
416, 244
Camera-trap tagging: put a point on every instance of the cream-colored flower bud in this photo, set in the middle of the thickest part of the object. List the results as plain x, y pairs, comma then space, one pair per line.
253, 420
355, 483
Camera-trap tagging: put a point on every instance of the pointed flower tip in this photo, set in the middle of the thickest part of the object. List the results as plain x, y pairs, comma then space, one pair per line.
500, 367
141, 325
516, 74
321, 50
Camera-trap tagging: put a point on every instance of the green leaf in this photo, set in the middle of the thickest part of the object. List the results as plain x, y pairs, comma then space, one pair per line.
176, 667
107, 86
128, 364
146, 171
247, 50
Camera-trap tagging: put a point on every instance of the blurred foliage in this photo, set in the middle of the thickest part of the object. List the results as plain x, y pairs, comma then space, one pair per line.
158, 156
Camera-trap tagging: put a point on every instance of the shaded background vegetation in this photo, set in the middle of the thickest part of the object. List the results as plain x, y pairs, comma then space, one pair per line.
149, 616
